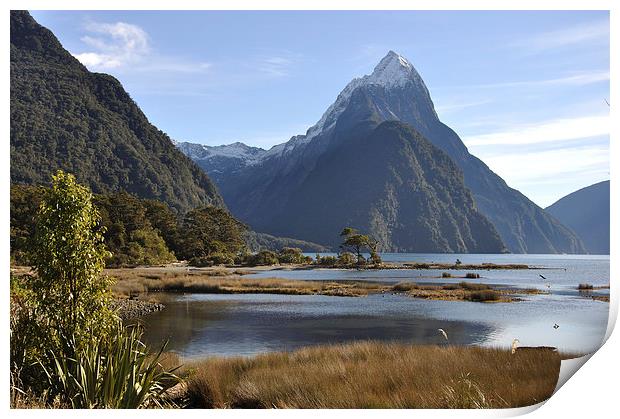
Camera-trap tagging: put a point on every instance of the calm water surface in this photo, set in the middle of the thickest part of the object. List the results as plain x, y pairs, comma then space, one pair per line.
199, 325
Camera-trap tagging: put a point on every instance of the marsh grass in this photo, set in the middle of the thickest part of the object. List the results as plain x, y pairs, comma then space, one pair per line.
375, 375
465, 291
141, 281
473, 287
485, 295
131, 285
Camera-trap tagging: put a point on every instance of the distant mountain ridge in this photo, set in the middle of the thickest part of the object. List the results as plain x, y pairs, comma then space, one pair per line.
586, 211
65, 117
221, 160
268, 183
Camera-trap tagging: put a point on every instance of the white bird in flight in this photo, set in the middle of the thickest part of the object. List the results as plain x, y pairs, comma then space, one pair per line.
443, 332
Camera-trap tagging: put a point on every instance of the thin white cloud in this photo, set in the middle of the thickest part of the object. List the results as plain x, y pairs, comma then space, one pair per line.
546, 176
536, 166
577, 79
577, 34
452, 106
114, 44
276, 65
543, 132
123, 45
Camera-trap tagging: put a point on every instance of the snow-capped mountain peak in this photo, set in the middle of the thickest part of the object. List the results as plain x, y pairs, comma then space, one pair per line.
237, 150
393, 71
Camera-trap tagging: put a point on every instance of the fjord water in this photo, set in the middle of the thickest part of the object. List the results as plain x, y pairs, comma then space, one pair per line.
200, 325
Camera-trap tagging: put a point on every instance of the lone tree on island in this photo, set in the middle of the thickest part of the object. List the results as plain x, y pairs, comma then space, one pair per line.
356, 243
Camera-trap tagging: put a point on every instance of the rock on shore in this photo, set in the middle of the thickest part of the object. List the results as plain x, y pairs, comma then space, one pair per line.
128, 308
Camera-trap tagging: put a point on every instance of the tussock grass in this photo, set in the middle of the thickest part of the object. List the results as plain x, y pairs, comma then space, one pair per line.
404, 286
485, 295
376, 375
473, 287
236, 285
465, 291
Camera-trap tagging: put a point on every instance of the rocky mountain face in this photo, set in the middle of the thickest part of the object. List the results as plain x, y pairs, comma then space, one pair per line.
269, 184
65, 117
586, 211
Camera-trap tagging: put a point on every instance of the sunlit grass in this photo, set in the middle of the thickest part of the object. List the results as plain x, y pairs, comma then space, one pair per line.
376, 375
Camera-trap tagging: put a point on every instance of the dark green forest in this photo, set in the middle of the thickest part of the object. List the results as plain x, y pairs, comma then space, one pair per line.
65, 117
140, 231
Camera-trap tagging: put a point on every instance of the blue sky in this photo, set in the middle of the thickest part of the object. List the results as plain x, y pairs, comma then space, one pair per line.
525, 91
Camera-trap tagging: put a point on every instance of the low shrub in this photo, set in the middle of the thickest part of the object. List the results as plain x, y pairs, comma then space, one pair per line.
404, 286
222, 258
200, 262
291, 255
446, 275
262, 258
472, 275
327, 260
473, 287
346, 259
585, 286
118, 373
486, 295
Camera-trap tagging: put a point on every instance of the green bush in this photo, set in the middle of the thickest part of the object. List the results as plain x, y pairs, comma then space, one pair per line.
67, 295
118, 373
68, 291
327, 260
375, 259
209, 230
262, 258
347, 259
291, 255
221, 258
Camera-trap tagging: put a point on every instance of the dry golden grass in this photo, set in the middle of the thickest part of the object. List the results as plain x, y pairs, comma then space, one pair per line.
139, 281
463, 291
376, 375
136, 283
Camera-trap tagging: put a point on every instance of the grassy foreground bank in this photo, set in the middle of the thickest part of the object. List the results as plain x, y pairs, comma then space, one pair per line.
375, 375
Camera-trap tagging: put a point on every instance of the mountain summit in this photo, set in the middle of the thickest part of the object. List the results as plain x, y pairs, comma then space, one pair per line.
264, 189
393, 70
